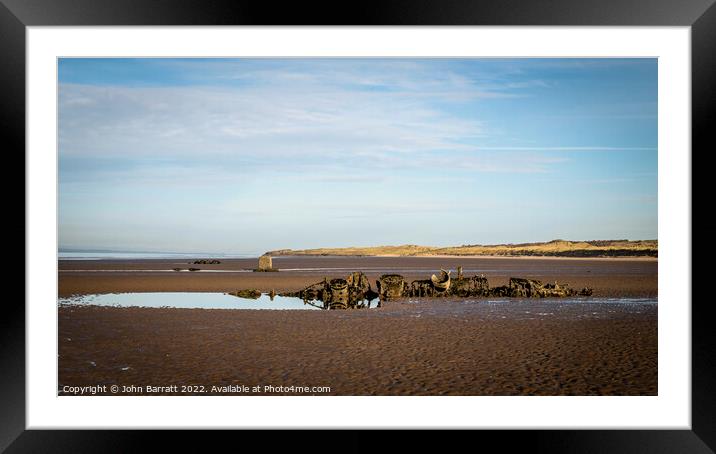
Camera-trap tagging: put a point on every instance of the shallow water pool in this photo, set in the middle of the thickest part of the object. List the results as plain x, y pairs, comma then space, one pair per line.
196, 300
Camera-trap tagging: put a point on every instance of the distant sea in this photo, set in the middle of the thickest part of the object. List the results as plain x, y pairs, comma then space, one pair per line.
124, 255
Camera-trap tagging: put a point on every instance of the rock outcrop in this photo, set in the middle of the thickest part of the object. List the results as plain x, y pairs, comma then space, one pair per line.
265, 264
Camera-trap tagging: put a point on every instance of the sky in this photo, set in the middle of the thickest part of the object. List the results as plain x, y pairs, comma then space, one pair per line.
249, 155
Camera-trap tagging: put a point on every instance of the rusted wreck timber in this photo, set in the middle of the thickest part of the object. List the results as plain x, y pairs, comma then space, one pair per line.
355, 290
437, 286
352, 292
443, 285
391, 286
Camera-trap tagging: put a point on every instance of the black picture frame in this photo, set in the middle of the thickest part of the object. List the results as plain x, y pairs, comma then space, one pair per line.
16, 15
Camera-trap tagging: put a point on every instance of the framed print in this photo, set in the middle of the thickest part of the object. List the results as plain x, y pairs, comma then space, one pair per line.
447, 217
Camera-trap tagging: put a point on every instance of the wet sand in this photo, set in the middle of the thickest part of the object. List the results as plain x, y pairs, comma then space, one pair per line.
424, 348
417, 347
608, 277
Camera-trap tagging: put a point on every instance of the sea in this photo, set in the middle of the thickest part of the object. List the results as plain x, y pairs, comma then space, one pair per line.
134, 255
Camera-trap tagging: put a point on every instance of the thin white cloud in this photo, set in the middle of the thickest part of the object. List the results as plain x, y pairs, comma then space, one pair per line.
310, 116
566, 149
174, 121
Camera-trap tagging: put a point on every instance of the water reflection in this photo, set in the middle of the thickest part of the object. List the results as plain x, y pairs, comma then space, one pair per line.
197, 300
327, 305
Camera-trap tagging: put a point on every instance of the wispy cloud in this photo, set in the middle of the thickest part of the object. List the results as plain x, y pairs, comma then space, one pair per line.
170, 121
566, 149
245, 154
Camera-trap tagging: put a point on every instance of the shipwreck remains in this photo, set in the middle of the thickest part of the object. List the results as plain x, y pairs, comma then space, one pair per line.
477, 286
441, 283
355, 291
352, 292
470, 286
390, 286
531, 288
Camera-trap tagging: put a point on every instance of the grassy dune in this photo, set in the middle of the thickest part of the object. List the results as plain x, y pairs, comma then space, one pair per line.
558, 248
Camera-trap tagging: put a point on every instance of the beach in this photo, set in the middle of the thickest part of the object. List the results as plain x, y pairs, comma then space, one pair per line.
629, 277
604, 346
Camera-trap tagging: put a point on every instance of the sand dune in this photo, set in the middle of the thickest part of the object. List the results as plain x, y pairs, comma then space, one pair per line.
599, 248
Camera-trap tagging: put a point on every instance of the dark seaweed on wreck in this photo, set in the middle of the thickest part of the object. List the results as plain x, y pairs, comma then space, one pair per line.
355, 289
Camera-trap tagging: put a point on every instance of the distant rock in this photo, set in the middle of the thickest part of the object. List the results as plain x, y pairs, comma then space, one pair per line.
265, 263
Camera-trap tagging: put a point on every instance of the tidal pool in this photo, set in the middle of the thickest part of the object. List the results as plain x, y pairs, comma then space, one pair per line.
197, 300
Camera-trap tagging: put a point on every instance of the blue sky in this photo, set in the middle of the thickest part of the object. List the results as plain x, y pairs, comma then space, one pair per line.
249, 155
